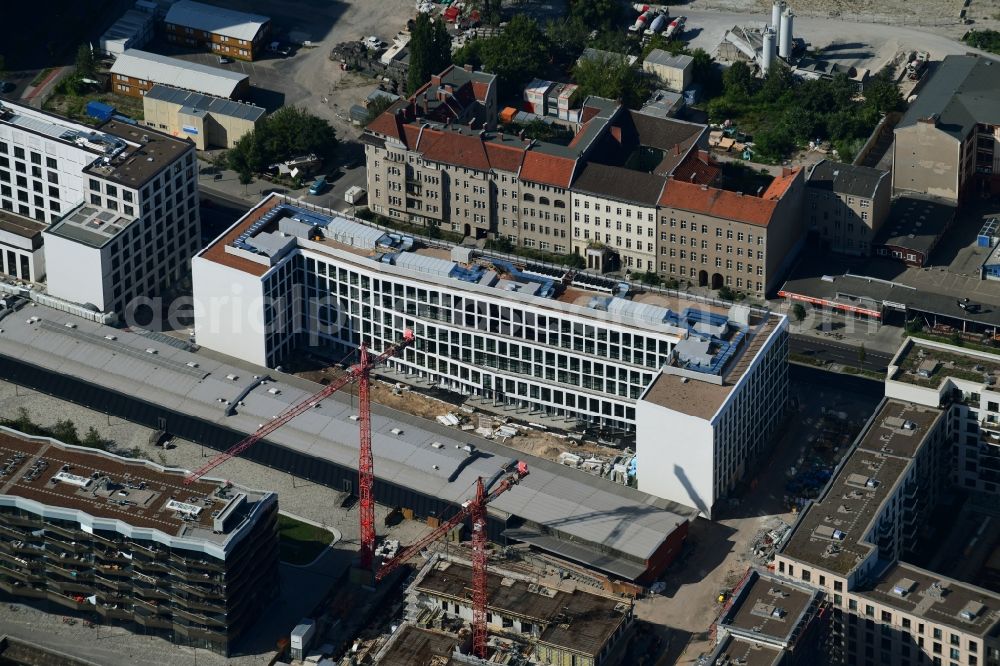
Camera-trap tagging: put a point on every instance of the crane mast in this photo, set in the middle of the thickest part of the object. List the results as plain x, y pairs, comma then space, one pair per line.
476, 509
361, 373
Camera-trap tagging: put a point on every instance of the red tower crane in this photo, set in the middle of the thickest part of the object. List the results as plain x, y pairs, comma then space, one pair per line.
476, 509
366, 476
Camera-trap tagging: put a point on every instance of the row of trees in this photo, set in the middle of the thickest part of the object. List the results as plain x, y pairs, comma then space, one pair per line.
286, 133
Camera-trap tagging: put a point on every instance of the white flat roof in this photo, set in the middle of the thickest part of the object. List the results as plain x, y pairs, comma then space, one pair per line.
583, 507
218, 20
178, 73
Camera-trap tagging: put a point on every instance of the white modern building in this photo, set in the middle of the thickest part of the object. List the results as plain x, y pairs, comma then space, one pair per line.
704, 429
79, 190
553, 343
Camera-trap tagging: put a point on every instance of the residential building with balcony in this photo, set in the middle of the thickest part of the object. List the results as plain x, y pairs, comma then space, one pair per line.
846, 205
222, 31
934, 430
948, 143
90, 531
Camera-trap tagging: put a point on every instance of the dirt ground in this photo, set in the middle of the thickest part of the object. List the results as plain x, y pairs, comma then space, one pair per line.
927, 10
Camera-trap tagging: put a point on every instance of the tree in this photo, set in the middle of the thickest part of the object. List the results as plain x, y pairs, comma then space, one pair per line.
706, 73
287, 132
597, 14
93, 439
246, 177
517, 55
861, 356
430, 51
612, 78
882, 95
739, 82
377, 107
65, 431
798, 312
568, 38
650, 277
672, 46
85, 64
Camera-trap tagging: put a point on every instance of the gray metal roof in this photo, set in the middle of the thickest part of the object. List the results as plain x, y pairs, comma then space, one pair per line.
157, 68
858, 181
661, 57
217, 20
569, 502
964, 90
196, 101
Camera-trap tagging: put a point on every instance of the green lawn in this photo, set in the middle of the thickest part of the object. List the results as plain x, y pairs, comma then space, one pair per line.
300, 542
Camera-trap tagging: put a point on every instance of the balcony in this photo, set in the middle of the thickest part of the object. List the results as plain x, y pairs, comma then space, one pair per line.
148, 619
14, 532
113, 612
75, 602
68, 546
22, 575
118, 585
57, 568
69, 533
70, 588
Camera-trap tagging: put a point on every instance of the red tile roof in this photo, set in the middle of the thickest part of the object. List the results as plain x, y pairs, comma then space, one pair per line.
725, 204
454, 148
505, 157
540, 167
387, 124
697, 168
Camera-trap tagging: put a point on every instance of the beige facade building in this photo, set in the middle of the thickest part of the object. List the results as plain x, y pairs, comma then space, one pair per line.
210, 122
846, 205
935, 428
714, 238
948, 143
673, 71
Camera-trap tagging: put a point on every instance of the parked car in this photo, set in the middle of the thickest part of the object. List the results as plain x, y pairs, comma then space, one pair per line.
278, 47
6, 86
318, 186
223, 60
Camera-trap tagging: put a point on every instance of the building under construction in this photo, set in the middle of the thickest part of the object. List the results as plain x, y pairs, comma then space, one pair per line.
126, 541
529, 622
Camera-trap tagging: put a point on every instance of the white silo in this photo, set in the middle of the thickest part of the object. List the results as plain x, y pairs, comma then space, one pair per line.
785, 36
767, 54
776, 8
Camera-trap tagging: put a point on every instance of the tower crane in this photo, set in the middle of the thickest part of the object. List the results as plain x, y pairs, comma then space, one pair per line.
476, 509
360, 373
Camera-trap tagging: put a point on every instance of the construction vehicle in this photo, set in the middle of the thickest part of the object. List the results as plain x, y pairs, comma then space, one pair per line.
675, 28
359, 373
476, 509
916, 64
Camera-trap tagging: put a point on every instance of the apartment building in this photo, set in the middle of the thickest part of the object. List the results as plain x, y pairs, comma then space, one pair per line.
226, 32
135, 225
770, 621
948, 143
71, 193
846, 205
575, 347
936, 428
713, 237
135, 72
85, 530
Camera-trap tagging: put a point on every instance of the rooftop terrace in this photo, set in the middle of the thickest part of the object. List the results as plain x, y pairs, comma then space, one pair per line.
831, 533
91, 225
146, 152
103, 485
928, 365
770, 609
99, 143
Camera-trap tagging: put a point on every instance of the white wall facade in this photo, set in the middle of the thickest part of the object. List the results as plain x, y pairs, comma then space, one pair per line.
676, 455
225, 318
77, 272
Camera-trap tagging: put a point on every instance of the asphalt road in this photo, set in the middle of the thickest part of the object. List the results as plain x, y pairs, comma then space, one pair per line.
834, 352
